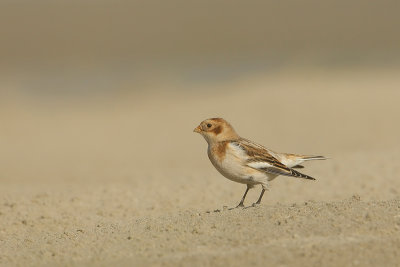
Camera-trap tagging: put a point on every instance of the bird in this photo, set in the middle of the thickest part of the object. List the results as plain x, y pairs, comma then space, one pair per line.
246, 162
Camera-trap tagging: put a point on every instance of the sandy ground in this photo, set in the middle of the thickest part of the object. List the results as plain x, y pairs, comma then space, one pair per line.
124, 180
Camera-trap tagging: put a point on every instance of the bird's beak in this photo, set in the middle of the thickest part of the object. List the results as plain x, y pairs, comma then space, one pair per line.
197, 129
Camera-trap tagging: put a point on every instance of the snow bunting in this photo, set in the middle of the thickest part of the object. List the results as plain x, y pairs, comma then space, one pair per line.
244, 161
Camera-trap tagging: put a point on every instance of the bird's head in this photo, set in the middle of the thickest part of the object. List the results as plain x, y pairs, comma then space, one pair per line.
216, 130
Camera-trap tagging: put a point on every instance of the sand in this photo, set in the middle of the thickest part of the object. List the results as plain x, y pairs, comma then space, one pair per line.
123, 180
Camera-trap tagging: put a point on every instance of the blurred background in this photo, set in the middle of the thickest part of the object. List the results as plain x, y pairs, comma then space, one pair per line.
110, 91
77, 48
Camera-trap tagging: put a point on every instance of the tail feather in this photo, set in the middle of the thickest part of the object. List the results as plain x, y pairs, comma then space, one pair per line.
306, 158
314, 158
295, 160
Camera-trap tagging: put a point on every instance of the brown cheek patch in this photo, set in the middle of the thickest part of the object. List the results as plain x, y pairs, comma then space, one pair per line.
217, 130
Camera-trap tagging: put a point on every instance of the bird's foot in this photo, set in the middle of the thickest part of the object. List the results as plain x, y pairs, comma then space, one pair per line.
251, 206
238, 206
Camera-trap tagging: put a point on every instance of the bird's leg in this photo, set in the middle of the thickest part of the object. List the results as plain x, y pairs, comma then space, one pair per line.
259, 199
244, 196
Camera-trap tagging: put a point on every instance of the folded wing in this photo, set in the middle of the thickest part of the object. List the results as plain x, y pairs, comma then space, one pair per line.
262, 159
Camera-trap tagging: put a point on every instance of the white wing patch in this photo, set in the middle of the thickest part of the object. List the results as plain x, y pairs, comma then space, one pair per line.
259, 165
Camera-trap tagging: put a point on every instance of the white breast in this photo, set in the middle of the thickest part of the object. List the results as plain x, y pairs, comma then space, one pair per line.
233, 166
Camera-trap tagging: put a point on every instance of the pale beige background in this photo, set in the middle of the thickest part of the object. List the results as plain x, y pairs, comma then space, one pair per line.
99, 164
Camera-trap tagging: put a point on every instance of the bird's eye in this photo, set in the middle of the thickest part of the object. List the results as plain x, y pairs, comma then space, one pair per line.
209, 125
